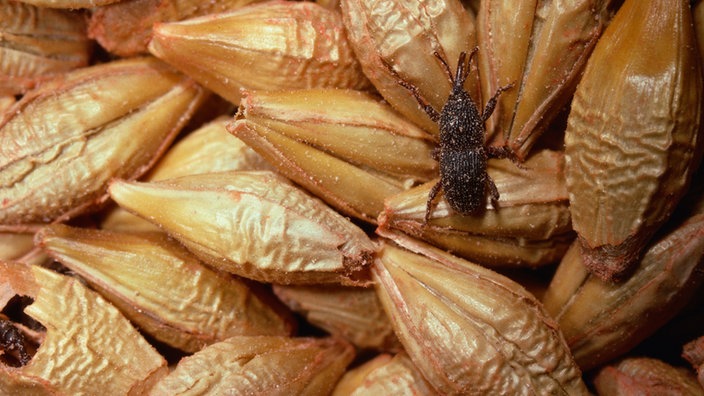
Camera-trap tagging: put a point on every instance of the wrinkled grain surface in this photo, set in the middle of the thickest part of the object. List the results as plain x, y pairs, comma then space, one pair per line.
631, 141
470, 330
63, 142
38, 43
305, 47
254, 224
163, 288
125, 28
602, 320
262, 366
89, 345
333, 149
403, 36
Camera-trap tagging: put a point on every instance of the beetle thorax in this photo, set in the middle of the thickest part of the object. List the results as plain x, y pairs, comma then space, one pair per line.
461, 125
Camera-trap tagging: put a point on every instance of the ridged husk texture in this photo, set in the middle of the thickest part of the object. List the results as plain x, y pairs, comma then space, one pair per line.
631, 141
57, 153
469, 330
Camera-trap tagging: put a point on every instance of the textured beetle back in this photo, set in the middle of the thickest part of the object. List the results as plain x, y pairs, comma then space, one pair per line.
463, 178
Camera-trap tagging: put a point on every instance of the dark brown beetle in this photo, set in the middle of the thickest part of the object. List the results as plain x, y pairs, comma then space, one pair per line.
461, 151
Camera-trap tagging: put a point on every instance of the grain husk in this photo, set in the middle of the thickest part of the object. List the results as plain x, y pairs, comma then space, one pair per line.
396, 41
253, 224
305, 46
260, 365
333, 141
38, 43
469, 330
602, 320
693, 352
352, 313
643, 375
631, 142
542, 49
208, 149
162, 288
384, 375
125, 28
88, 344
57, 154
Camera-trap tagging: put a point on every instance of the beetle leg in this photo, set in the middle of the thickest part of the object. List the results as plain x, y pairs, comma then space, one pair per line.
498, 152
427, 107
491, 104
503, 152
430, 205
493, 191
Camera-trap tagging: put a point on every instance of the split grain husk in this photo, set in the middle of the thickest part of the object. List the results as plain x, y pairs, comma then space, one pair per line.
631, 141
334, 141
542, 49
642, 375
396, 40
88, 344
602, 320
162, 288
57, 154
125, 28
292, 45
38, 43
262, 366
530, 225
384, 375
352, 313
253, 224
469, 330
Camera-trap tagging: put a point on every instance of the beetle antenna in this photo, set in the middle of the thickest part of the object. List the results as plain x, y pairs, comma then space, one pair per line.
472, 54
469, 62
445, 66
462, 73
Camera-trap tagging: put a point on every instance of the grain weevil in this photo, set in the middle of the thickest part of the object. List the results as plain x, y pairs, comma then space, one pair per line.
461, 151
